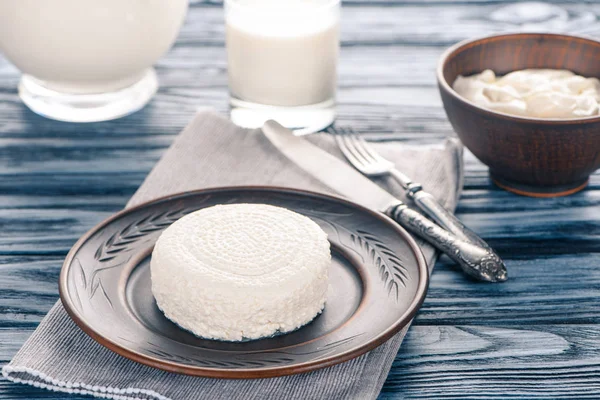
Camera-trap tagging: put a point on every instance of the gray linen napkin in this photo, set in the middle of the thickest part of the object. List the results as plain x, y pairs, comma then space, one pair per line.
210, 152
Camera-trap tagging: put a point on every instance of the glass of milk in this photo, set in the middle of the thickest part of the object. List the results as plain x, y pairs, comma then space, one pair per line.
88, 60
282, 61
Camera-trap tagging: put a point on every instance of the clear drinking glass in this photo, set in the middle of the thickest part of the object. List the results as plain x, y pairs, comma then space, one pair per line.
282, 61
88, 60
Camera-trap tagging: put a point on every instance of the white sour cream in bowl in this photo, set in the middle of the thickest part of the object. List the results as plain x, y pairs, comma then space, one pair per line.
538, 93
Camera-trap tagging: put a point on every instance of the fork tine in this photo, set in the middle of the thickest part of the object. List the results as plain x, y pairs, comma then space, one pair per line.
366, 149
360, 154
361, 146
351, 144
351, 152
358, 144
371, 151
347, 153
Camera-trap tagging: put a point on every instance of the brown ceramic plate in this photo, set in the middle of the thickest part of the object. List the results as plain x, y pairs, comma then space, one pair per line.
378, 281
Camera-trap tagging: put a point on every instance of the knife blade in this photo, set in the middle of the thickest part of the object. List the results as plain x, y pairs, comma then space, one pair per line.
477, 261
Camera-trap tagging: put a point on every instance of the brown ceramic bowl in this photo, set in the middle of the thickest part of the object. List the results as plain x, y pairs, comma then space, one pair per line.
529, 156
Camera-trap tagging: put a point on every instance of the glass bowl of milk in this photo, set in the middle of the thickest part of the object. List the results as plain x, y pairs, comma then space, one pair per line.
88, 60
282, 61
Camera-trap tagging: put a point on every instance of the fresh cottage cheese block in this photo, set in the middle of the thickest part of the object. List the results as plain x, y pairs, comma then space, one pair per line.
241, 271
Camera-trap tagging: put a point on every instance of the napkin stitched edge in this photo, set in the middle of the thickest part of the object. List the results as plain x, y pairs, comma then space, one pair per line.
56, 385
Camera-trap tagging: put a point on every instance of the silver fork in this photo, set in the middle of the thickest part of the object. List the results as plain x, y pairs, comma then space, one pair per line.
365, 159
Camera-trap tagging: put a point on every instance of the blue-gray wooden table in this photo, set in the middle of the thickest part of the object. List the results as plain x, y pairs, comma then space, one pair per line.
536, 336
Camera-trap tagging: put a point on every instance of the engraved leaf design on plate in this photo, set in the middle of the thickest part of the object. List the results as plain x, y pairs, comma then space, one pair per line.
261, 361
258, 360
391, 271
123, 241
81, 279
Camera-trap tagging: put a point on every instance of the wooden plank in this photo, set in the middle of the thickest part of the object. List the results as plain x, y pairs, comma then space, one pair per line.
420, 23
34, 226
53, 221
445, 362
391, 102
29, 288
407, 114
549, 361
542, 290
479, 195
80, 202
515, 225
92, 167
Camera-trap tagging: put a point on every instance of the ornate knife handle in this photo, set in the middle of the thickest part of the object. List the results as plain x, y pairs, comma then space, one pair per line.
480, 262
444, 218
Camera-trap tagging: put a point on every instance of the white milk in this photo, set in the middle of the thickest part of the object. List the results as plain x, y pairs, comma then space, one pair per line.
88, 46
282, 52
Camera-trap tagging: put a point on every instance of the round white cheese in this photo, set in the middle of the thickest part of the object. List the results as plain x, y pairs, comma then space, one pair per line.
241, 271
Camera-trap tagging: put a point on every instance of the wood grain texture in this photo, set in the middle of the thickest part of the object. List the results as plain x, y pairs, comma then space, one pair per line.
481, 362
536, 336
458, 362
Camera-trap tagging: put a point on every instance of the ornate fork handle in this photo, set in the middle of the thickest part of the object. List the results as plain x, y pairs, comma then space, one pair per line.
430, 206
478, 261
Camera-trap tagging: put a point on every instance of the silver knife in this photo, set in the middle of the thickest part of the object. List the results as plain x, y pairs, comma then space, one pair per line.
477, 261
